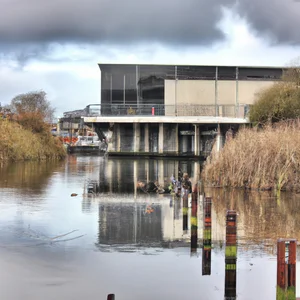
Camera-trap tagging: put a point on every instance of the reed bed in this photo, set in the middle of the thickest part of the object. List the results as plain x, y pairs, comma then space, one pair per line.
18, 143
265, 159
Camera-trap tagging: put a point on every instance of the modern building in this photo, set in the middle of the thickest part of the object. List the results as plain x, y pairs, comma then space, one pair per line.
176, 86
175, 110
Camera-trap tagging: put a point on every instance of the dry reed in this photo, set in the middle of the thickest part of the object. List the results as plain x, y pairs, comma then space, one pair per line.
265, 159
17, 143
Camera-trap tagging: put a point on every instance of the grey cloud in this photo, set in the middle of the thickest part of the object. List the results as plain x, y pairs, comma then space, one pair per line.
190, 22
278, 20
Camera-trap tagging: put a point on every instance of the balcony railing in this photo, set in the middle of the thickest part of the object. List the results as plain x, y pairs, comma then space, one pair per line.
231, 111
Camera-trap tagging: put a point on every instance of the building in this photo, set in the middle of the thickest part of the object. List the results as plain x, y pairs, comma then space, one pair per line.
175, 86
172, 110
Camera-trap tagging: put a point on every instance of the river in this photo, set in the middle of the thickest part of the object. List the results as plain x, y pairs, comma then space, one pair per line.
127, 242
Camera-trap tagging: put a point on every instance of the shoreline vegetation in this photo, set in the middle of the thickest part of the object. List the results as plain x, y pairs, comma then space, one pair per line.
260, 158
19, 143
266, 157
25, 130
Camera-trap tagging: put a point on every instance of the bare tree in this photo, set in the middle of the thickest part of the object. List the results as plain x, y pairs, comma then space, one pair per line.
33, 102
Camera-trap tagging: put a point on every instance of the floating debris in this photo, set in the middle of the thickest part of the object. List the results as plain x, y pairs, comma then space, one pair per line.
74, 195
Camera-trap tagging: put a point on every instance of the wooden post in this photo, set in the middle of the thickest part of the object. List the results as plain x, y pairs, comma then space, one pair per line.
230, 255
111, 297
185, 210
194, 221
286, 269
206, 251
281, 274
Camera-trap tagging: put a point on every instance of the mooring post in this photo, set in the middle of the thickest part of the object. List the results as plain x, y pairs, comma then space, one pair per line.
111, 297
286, 269
230, 255
194, 221
281, 269
185, 210
292, 264
206, 251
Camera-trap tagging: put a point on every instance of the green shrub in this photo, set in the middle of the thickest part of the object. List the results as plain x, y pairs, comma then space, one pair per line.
279, 102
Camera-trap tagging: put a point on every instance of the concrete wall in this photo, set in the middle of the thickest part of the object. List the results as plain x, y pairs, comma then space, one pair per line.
203, 92
247, 90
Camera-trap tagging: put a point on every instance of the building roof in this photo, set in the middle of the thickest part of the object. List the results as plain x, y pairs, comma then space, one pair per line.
189, 65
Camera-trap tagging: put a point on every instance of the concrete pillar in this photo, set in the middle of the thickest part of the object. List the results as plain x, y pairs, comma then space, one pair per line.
137, 136
135, 177
110, 140
161, 172
196, 172
147, 137
197, 141
118, 138
161, 138
219, 139
185, 142
176, 139
147, 170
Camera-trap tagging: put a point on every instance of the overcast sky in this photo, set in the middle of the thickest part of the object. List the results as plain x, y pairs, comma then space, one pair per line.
56, 45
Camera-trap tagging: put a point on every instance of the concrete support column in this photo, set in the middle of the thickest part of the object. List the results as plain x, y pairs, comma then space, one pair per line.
196, 172
147, 137
219, 139
147, 170
135, 177
197, 140
137, 135
185, 142
161, 138
161, 172
176, 139
118, 138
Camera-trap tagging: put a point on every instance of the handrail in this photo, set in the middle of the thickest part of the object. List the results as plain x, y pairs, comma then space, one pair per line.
232, 111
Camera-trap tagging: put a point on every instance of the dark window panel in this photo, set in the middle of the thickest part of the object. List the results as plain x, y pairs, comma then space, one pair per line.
226, 73
196, 72
260, 73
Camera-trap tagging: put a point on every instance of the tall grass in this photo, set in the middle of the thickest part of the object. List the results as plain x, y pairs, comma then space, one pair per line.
267, 158
18, 143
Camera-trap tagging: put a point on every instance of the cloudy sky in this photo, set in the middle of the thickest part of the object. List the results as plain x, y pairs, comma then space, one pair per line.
56, 45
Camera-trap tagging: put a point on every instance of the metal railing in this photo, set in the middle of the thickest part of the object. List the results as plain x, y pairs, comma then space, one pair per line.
232, 111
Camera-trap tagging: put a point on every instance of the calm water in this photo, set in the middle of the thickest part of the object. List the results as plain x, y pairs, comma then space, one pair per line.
54, 246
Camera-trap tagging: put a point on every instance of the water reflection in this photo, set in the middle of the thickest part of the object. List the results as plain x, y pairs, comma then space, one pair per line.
119, 218
30, 177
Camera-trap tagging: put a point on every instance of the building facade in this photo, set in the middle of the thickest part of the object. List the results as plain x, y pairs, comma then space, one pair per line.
175, 86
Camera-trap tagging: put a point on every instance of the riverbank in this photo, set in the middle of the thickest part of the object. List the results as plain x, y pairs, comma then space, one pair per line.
263, 159
19, 144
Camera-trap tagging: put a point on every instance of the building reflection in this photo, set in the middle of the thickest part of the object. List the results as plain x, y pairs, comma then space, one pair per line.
123, 176
132, 223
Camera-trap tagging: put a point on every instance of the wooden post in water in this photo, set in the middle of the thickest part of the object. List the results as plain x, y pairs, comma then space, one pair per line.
185, 210
194, 221
206, 251
111, 297
286, 269
230, 255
